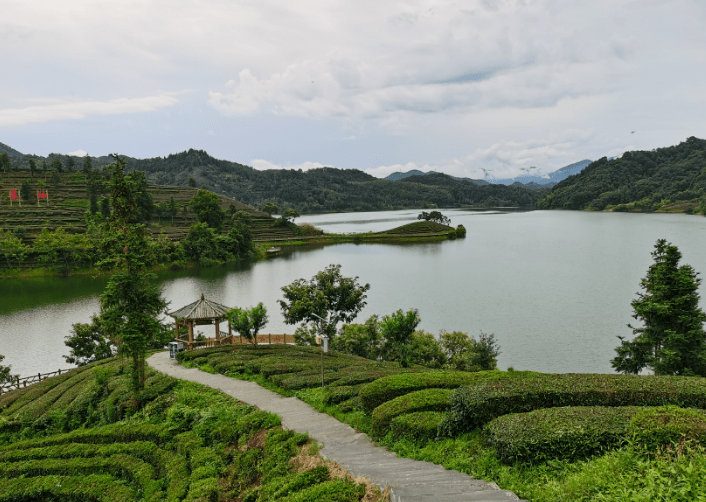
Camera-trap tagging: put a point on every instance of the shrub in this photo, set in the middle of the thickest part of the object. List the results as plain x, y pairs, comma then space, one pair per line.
335, 395
390, 387
475, 405
559, 433
332, 491
421, 400
653, 427
460, 231
418, 427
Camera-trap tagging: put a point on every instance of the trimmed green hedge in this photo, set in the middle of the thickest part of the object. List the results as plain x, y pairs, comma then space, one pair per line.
418, 427
335, 395
474, 406
559, 433
575, 432
652, 427
330, 491
390, 387
421, 400
88, 488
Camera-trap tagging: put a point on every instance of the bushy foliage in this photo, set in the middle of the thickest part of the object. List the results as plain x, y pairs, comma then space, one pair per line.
206, 206
671, 339
475, 405
647, 177
421, 400
387, 388
418, 427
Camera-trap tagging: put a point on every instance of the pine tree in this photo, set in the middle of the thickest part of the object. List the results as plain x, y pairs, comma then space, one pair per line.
131, 303
671, 340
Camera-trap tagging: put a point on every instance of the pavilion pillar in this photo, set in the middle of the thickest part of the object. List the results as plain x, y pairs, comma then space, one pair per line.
218, 329
230, 330
191, 331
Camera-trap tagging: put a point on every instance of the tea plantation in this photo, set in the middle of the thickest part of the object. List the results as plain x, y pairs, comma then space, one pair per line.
543, 436
76, 437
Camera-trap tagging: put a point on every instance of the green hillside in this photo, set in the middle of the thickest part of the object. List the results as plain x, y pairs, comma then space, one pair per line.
68, 201
666, 179
80, 437
326, 189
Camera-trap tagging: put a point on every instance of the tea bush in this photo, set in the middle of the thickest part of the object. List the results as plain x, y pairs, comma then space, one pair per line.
475, 405
421, 400
418, 427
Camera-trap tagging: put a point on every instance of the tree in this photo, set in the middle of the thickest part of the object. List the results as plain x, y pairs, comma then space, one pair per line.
248, 322
5, 162
289, 214
105, 207
485, 353
326, 300
270, 208
359, 339
434, 216
144, 203
55, 178
69, 163
130, 304
192, 182
396, 331
88, 342
426, 350
206, 205
32, 167
5, 375
87, 165
671, 340
458, 347
26, 190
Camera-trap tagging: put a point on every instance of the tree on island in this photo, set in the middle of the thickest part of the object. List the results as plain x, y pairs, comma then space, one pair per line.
671, 340
289, 214
326, 300
248, 322
270, 208
434, 216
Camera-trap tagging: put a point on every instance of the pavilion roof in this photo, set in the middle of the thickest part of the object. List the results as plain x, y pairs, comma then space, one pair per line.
199, 310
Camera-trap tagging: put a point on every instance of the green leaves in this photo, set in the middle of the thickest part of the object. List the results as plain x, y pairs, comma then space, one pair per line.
206, 206
671, 340
248, 322
328, 295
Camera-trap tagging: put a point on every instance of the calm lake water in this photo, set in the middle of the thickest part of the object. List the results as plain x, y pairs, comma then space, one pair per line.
554, 287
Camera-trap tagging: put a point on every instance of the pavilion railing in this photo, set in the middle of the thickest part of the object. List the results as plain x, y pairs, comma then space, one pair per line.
236, 340
22, 382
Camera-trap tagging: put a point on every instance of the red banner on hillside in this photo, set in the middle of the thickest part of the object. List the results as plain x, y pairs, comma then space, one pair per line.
14, 195
42, 194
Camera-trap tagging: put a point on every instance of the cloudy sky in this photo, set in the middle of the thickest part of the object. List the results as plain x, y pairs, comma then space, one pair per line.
470, 88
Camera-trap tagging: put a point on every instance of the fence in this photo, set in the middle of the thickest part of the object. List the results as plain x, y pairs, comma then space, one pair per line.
17, 382
236, 340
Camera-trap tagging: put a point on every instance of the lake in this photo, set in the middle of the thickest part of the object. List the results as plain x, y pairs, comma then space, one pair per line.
553, 286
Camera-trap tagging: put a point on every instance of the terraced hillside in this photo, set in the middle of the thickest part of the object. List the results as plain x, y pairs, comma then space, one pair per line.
77, 438
68, 201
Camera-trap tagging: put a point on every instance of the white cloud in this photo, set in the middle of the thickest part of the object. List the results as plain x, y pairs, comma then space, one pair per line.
74, 110
261, 165
78, 153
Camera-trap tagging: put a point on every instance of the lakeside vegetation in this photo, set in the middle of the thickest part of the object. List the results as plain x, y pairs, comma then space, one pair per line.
77, 437
671, 179
626, 448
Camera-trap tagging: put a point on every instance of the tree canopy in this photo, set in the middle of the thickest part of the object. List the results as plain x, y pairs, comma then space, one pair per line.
248, 322
328, 295
207, 208
434, 216
671, 339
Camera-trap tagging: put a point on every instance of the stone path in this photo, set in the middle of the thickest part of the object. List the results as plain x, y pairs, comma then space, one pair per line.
409, 480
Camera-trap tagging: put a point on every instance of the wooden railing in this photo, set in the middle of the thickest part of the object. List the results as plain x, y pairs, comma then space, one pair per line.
235, 340
22, 382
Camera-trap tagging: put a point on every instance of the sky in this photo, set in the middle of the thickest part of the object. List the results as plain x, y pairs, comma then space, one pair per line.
477, 88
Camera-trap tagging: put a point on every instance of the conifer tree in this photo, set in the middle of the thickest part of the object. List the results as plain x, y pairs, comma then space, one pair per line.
671, 339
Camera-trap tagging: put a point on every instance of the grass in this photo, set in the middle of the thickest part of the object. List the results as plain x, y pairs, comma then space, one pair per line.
77, 437
635, 471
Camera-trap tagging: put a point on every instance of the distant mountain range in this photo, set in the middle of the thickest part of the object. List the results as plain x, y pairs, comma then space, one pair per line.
9, 150
528, 181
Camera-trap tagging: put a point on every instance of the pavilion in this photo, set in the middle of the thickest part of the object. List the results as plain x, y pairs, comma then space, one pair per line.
202, 312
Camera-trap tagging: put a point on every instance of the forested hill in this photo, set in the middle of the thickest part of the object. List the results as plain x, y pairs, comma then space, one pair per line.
667, 178
327, 188
317, 190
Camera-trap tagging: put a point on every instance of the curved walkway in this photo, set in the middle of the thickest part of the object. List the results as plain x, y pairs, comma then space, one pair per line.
409, 480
